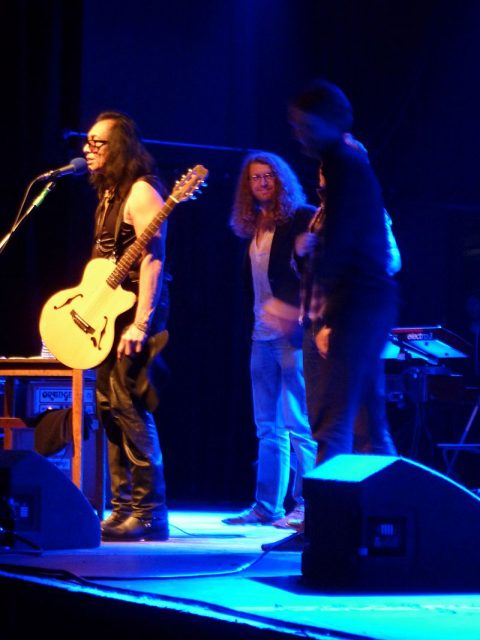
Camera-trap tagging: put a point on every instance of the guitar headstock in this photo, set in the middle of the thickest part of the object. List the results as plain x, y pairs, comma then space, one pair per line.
189, 184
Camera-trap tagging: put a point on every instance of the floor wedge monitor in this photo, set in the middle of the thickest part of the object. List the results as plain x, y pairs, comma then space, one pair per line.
384, 523
41, 508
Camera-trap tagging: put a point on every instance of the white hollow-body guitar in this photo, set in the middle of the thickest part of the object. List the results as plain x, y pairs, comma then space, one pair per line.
77, 325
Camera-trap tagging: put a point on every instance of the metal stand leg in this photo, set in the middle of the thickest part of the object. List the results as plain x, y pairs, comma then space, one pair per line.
465, 433
417, 392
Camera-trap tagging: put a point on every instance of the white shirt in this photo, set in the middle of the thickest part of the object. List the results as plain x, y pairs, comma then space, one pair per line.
259, 258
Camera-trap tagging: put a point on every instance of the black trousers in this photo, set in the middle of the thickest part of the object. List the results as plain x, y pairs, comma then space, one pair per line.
345, 391
134, 453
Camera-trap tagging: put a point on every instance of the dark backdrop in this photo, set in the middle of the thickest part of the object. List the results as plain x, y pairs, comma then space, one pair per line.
206, 82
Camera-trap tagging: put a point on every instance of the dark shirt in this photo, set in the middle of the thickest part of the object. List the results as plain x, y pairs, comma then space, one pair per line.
352, 268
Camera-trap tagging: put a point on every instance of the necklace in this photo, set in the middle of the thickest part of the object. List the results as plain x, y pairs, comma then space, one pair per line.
107, 200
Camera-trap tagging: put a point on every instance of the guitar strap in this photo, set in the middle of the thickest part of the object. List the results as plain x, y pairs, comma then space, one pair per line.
116, 236
104, 245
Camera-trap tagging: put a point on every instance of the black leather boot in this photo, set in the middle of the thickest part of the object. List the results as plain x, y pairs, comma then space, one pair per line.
134, 529
114, 519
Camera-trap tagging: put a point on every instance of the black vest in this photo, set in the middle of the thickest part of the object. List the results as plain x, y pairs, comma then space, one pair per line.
112, 238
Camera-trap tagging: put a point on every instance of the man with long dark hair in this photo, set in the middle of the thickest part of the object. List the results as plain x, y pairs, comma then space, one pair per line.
269, 211
353, 297
129, 195
371, 431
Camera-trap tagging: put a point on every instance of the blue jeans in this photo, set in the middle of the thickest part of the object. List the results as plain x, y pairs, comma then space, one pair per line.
280, 413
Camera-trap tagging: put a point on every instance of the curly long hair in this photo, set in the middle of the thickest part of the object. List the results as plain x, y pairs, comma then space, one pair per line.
128, 159
289, 195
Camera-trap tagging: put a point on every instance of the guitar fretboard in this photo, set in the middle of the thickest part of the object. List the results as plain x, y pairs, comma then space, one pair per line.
136, 249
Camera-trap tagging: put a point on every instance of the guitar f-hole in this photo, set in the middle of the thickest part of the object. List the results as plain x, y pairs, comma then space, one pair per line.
98, 345
68, 301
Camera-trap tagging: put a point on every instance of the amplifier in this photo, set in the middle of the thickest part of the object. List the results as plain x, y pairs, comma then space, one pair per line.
34, 395
44, 393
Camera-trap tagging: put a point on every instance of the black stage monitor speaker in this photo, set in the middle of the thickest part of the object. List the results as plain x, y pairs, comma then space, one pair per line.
383, 523
40, 507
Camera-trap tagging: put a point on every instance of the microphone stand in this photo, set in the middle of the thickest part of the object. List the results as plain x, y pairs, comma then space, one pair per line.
41, 197
35, 204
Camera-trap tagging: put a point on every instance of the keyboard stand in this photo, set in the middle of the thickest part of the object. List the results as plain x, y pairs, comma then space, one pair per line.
461, 446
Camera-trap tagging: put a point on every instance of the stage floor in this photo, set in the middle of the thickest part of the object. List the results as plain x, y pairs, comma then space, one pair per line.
211, 570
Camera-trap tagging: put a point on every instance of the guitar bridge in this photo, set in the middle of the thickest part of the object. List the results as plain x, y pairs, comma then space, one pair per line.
80, 322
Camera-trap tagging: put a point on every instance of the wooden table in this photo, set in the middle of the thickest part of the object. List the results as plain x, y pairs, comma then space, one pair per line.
12, 368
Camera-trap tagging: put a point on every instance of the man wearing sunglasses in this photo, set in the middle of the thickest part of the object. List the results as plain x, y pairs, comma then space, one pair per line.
129, 196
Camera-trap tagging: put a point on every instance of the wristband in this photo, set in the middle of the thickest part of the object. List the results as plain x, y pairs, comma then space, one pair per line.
141, 326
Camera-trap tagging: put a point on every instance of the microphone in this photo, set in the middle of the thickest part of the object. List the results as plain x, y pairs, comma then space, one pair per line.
77, 166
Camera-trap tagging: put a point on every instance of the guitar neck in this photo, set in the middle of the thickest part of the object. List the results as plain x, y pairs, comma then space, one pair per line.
136, 249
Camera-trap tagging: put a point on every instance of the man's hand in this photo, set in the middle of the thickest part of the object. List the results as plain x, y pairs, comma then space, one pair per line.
305, 243
322, 340
280, 315
131, 342
356, 144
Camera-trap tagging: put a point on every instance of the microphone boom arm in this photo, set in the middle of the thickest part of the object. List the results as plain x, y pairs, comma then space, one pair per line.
77, 166
39, 199
20, 218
